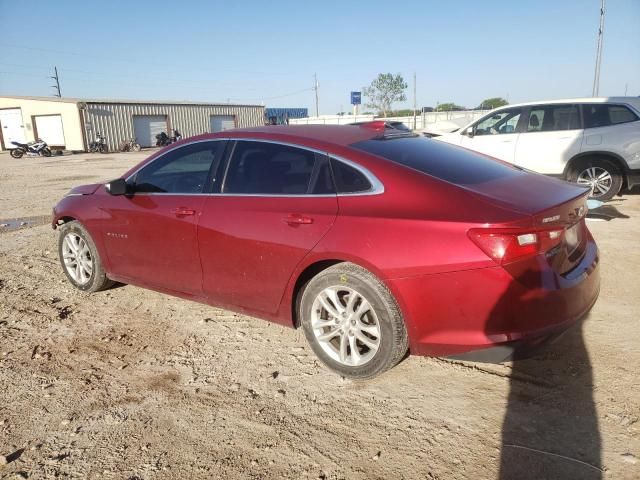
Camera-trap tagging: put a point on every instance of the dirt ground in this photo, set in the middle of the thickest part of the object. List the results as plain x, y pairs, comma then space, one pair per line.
133, 384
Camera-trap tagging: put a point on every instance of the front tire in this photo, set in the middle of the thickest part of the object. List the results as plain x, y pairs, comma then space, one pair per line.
352, 322
602, 175
46, 152
80, 259
136, 147
16, 153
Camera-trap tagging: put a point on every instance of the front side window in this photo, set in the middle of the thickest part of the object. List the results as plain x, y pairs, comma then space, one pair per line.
271, 169
549, 118
603, 115
184, 170
502, 122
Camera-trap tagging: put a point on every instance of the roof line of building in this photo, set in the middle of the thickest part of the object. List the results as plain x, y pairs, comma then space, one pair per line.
127, 101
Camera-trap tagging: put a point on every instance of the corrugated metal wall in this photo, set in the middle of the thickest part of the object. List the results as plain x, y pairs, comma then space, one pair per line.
115, 120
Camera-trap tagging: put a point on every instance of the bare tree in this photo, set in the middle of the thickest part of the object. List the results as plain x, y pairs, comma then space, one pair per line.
384, 91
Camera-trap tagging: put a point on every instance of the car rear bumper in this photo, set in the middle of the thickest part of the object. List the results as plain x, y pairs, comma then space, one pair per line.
488, 315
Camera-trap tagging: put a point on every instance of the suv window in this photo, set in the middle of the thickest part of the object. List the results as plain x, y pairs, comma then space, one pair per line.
183, 170
501, 122
549, 118
603, 115
270, 168
348, 179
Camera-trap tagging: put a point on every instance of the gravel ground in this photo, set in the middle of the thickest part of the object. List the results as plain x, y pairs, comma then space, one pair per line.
133, 384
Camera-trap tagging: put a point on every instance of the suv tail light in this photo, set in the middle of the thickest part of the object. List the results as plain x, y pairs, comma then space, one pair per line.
504, 246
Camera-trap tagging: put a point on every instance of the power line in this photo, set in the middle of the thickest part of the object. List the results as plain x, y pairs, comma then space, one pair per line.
216, 69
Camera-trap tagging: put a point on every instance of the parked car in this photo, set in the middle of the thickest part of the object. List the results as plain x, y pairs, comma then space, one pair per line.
591, 141
372, 241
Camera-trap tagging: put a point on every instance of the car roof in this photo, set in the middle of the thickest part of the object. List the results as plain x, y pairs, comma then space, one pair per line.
326, 135
635, 101
335, 134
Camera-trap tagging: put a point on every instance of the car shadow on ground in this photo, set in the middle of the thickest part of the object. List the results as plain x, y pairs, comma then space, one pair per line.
550, 428
606, 212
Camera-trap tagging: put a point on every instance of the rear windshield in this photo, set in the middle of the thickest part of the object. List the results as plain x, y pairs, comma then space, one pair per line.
446, 162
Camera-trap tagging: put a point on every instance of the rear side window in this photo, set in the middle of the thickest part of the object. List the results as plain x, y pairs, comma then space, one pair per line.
551, 118
349, 179
270, 168
446, 162
603, 115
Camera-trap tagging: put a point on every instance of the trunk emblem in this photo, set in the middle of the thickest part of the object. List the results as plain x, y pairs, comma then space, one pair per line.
551, 219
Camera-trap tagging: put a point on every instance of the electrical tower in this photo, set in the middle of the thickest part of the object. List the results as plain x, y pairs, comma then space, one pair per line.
596, 76
57, 85
315, 88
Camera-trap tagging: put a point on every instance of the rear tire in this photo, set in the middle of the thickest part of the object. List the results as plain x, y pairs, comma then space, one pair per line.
80, 260
352, 322
602, 175
103, 149
16, 153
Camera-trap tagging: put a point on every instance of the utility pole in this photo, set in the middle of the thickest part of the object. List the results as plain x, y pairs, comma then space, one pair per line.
414, 101
596, 75
57, 85
626, 87
315, 88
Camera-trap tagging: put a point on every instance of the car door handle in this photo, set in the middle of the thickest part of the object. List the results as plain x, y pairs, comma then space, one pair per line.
183, 211
297, 219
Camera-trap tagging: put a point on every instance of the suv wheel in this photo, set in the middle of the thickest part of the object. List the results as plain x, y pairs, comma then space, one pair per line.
603, 176
352, 322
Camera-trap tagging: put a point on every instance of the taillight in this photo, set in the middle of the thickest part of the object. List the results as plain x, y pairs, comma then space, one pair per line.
504, 246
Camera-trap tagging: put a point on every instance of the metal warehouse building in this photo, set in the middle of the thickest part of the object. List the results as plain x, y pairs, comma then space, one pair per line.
72, 123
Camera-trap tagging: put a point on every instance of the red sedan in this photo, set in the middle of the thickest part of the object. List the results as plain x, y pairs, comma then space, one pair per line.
373, 240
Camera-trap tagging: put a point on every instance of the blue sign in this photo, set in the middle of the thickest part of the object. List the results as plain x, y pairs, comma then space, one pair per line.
356, 98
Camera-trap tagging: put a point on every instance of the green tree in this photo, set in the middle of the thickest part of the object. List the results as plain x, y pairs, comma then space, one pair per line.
448, 107
384, 91
491, 103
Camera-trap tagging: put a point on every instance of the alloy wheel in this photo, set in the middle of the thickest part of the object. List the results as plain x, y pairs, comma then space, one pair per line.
596, 178
77, 258
345, 325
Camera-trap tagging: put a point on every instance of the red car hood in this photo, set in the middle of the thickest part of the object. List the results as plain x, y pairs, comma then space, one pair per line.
85, 189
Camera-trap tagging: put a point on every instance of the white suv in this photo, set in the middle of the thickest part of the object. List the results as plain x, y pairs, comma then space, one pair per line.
592, 141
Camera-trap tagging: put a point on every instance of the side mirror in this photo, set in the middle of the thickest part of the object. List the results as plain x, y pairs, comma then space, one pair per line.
117, 187
468, 132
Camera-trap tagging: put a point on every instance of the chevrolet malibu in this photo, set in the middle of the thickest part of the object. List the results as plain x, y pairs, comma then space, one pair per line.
374, 241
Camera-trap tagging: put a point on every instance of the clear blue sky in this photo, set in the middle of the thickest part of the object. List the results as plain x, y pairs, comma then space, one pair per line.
254, 51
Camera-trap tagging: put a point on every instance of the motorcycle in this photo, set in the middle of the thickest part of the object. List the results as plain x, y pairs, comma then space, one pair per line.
162, 139
130, 146
99, 144
31, 149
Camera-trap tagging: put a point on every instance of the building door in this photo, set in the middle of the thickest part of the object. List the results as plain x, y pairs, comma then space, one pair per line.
146, 127
12, 127
49, 128
220, 123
